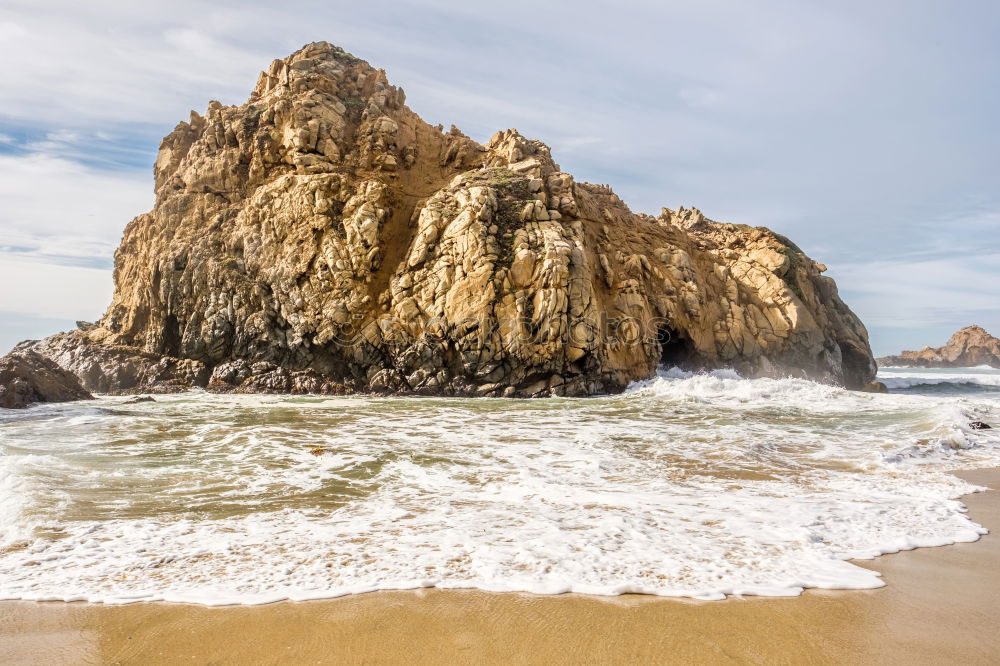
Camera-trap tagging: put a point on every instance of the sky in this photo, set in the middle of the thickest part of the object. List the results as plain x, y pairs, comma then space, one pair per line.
866, 132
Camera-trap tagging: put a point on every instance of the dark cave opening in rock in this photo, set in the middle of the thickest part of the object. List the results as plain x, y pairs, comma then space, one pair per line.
171, 336
675, 348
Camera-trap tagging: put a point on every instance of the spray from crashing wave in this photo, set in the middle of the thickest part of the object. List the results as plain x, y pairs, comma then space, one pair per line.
698, 485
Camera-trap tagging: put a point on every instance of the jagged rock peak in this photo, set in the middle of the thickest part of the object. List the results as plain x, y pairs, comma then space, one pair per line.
967, 347
323, 67
323, 237
972, 336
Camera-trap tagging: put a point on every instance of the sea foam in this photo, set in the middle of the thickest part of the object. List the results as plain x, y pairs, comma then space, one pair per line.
900, 378
697, 485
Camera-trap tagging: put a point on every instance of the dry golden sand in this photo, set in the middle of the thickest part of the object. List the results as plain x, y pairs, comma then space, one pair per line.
942, 605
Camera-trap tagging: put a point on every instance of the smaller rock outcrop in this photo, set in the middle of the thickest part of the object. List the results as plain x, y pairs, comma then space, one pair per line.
968, 347
111, 368
28, 377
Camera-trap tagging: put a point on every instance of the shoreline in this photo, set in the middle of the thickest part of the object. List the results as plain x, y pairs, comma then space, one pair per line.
939, 604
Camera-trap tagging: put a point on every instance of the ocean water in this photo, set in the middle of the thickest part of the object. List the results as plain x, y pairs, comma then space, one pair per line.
699, 486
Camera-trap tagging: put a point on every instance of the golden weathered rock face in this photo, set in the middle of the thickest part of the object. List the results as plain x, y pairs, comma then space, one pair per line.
322, 235
968, 347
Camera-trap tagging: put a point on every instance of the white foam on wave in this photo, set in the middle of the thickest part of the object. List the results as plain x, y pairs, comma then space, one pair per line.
903, 380
942, 425
687, 485
916, 368
726, 387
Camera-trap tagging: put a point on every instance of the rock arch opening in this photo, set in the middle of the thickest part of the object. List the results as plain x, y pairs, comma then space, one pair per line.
675, 348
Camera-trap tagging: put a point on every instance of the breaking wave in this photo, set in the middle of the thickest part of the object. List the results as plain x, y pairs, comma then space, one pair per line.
697, 485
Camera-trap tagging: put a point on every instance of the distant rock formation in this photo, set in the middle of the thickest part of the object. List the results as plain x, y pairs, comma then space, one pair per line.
968, 347
27, 377
323, 238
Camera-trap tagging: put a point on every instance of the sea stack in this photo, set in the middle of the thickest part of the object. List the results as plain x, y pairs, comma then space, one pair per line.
968, 347
321, 237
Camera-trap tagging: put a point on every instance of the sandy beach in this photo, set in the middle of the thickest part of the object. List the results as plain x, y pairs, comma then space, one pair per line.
940, 605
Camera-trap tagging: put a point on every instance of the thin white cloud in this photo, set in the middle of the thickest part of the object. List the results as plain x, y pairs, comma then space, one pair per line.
97, 64
901, 300
56, 207
51, 291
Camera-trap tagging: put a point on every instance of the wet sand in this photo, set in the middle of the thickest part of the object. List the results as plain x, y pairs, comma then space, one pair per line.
941, 605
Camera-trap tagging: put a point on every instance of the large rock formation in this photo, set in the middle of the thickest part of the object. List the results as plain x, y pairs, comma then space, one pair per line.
322, 237
27, 377
968, 347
